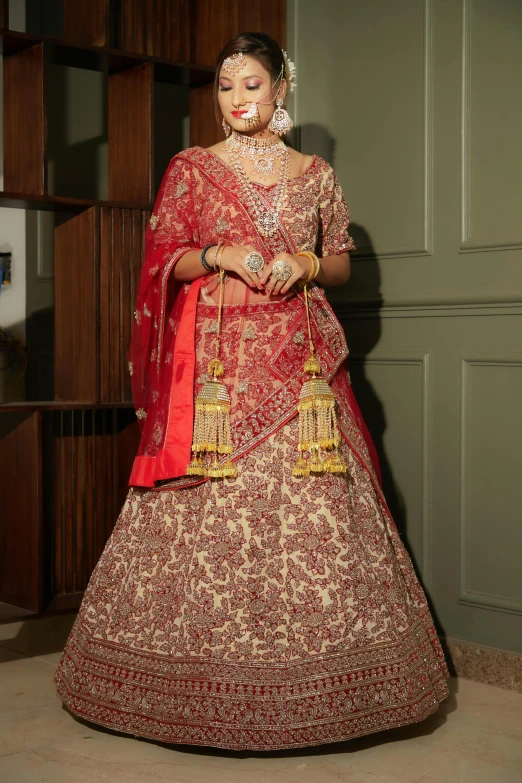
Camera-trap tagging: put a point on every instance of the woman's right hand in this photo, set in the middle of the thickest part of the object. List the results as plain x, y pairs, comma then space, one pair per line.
233, 260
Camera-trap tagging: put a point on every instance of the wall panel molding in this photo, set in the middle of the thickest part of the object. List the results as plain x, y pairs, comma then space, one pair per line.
467, 244
422, 360
425, 248
359, 310
466, 595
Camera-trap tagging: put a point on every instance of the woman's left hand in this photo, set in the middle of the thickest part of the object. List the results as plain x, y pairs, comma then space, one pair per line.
300, 266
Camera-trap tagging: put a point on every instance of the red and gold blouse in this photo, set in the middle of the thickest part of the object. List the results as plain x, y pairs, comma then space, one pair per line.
198, 204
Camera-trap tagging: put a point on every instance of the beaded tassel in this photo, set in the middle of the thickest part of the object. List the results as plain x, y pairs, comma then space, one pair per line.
212, 420
318, 430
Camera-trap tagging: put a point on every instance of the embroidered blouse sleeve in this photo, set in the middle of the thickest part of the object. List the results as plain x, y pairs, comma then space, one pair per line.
334, 218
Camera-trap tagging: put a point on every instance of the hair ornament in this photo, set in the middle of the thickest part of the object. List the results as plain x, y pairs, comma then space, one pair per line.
289, 71
235, 63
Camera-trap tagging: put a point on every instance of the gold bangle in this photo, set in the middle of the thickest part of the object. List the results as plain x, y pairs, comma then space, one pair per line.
219, 254
305, 254
218, 246
216, 252
314, 266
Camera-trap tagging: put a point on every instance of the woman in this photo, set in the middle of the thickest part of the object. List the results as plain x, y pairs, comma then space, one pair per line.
254, 592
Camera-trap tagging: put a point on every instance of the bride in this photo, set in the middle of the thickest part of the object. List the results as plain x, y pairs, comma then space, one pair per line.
254, 593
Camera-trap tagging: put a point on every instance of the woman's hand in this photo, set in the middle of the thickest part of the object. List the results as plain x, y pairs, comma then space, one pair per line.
233, 260
300, 266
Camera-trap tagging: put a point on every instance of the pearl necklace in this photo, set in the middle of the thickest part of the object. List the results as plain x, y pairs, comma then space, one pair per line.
267, 220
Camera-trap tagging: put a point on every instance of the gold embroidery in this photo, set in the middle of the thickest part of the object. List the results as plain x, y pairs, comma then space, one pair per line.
249, 332
154, 219
181, 189
221, 225
353, 651
140, 413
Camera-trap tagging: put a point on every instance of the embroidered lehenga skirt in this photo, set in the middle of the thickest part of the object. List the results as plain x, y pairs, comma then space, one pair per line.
263, 612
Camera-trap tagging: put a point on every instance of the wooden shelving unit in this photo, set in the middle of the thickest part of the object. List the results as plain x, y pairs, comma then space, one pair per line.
66, 461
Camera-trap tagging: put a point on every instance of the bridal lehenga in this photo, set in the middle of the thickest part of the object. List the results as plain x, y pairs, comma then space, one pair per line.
266, 611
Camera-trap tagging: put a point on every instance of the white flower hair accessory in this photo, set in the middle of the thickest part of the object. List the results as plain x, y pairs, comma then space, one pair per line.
289, 71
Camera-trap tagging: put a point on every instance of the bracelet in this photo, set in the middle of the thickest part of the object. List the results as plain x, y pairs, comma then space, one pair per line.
203, 259
219, 253
218, 247
315, 267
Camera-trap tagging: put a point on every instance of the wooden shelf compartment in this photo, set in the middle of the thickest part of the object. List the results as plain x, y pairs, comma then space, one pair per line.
55, 405
97, 264
25, 121
103, 58
64, 480
21, 502
62, 203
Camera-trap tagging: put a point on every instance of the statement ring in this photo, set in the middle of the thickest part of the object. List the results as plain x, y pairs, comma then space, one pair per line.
254, 261
282, 270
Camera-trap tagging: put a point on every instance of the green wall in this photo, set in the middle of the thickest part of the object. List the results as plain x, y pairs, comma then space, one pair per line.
416, 104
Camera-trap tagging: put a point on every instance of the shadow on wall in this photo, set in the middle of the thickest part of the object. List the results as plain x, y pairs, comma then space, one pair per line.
364, 332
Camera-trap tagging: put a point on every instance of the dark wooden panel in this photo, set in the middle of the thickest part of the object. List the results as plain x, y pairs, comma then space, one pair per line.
86, 22
126, 441
25, 122
158, 28
267, 16
105, 302
204, 129
125, 305
130, 135
4, 13
21, 510
58, 203
121, 249
93, 454
215, 22
76, 308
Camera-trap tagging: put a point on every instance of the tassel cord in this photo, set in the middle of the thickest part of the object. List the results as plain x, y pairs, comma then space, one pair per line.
305, 290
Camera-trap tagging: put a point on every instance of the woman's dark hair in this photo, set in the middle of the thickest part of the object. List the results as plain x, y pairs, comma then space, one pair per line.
258, 45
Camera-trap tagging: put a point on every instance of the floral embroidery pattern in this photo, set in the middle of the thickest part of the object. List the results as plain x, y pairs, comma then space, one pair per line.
191, 630
222, 225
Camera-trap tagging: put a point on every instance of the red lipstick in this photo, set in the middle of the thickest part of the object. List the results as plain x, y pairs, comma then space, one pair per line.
238, 113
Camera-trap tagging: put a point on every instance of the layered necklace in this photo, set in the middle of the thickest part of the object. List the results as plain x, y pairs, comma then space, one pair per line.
263, 153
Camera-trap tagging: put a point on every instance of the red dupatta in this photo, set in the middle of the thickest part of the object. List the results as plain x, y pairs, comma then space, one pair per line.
198, 191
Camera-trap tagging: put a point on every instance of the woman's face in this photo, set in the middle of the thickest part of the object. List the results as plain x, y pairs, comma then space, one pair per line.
238, 90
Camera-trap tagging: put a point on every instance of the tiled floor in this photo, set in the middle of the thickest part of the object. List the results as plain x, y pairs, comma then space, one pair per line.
476, 737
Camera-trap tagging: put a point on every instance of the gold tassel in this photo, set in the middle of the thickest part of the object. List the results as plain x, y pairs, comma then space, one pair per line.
318, 430
212, 419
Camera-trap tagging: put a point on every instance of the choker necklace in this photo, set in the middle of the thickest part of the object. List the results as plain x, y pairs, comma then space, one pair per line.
266, 215
262, 152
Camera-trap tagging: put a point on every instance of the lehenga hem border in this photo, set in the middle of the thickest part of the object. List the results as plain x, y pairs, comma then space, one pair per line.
382, 686
434, 705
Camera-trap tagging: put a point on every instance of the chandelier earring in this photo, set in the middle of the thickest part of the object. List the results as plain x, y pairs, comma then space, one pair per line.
226, 128
281, 121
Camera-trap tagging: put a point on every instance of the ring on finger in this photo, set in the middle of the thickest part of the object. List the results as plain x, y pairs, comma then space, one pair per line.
254, 261
282, 270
